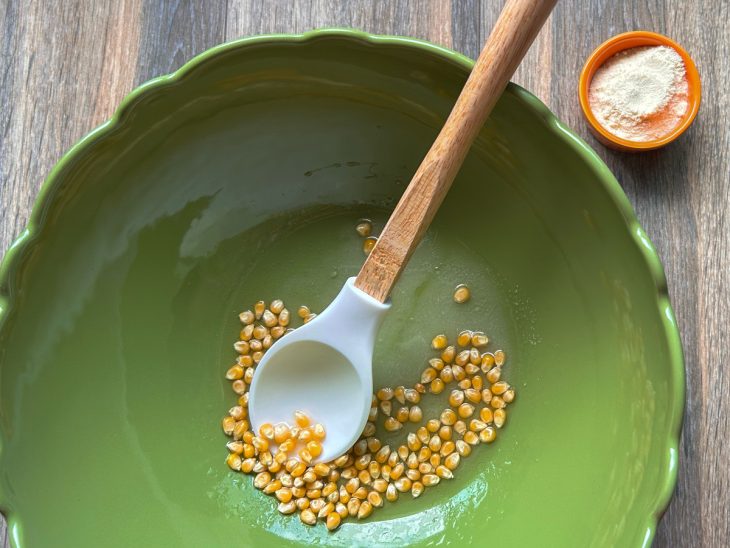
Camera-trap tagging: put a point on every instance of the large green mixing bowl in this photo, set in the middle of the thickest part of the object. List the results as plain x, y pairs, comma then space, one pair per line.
241, 176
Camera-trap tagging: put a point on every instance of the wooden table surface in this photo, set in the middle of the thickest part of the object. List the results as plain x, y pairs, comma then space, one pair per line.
66, 64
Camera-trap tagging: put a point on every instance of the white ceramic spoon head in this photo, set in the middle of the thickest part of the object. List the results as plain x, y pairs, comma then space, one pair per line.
324, 369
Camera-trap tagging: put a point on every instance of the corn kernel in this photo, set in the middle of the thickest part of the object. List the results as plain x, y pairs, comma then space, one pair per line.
437, 386
333, 521
439, 342
500, 416
461, 294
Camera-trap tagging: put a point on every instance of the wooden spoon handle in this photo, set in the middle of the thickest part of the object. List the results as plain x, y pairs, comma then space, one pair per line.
516, 28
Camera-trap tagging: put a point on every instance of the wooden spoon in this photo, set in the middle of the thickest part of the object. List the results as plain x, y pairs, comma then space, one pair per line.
324, 368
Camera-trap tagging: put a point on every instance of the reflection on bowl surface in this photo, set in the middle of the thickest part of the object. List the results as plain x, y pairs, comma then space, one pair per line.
241, 178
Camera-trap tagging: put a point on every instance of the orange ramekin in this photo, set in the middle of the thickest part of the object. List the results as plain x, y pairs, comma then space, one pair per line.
621, 42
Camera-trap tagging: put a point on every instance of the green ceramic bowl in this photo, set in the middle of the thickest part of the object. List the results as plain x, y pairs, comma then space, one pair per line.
240, 177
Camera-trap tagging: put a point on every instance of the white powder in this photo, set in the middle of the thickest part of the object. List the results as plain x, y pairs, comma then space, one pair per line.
640, 94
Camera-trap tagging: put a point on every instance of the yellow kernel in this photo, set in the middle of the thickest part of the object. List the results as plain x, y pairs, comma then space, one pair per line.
458, 372
464, 338
487, 361
228, 424
436, 363
417, 489
427, 376
445, 432
443, 472
448, 417
287, 507
434, 444
364, 227
462, 358
267, 431
272, 487
402, 414
301, 419
282, 432
397, 471
242, 347
424, 454
499, 357
509, 396
403, 484
368, 244
308, 517
365, 510
430, 479
383, 453
493, 374
246, 317
413, 474
303, 311
486, 395
284, 320
463, 448
471, 438
261, 480
425, 467
246, 334
499, 388
353, 505
466, 410
411, 395
476, 425
325, 511
375, 499
314, 448
403, 452
479, 339
432, 426
435, 460
497, 403
456, 398
261, 444
488, 435
452, 461
439, 342
235, 372
446, 374
234, 461
477, 383
391, 493
333, 521
269, 318
239, 386
385, 394
364, 477
380, 485
283, 494
391, 424
461, 294
305, 455
437, 386
259, 332
235, 447
447, 356
414, 444
500, 416
258, 309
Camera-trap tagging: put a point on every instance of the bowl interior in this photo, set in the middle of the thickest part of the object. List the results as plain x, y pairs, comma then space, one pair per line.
243, 180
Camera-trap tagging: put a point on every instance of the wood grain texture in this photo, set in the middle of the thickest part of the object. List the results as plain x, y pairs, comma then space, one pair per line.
66, 64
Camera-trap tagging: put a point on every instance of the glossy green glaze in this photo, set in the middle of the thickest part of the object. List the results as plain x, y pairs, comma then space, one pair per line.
240, 177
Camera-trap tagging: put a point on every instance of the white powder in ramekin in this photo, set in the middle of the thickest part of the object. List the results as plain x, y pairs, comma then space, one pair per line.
640, 94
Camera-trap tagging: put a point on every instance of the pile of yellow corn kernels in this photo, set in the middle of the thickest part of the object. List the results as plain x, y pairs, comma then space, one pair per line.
370, 473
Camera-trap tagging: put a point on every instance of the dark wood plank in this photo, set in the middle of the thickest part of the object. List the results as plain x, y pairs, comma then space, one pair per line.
52, 91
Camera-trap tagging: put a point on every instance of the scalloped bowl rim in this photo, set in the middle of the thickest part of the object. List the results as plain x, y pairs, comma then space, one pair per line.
19, 248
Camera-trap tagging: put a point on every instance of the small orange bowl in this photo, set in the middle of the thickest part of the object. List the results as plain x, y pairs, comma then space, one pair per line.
622, 42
